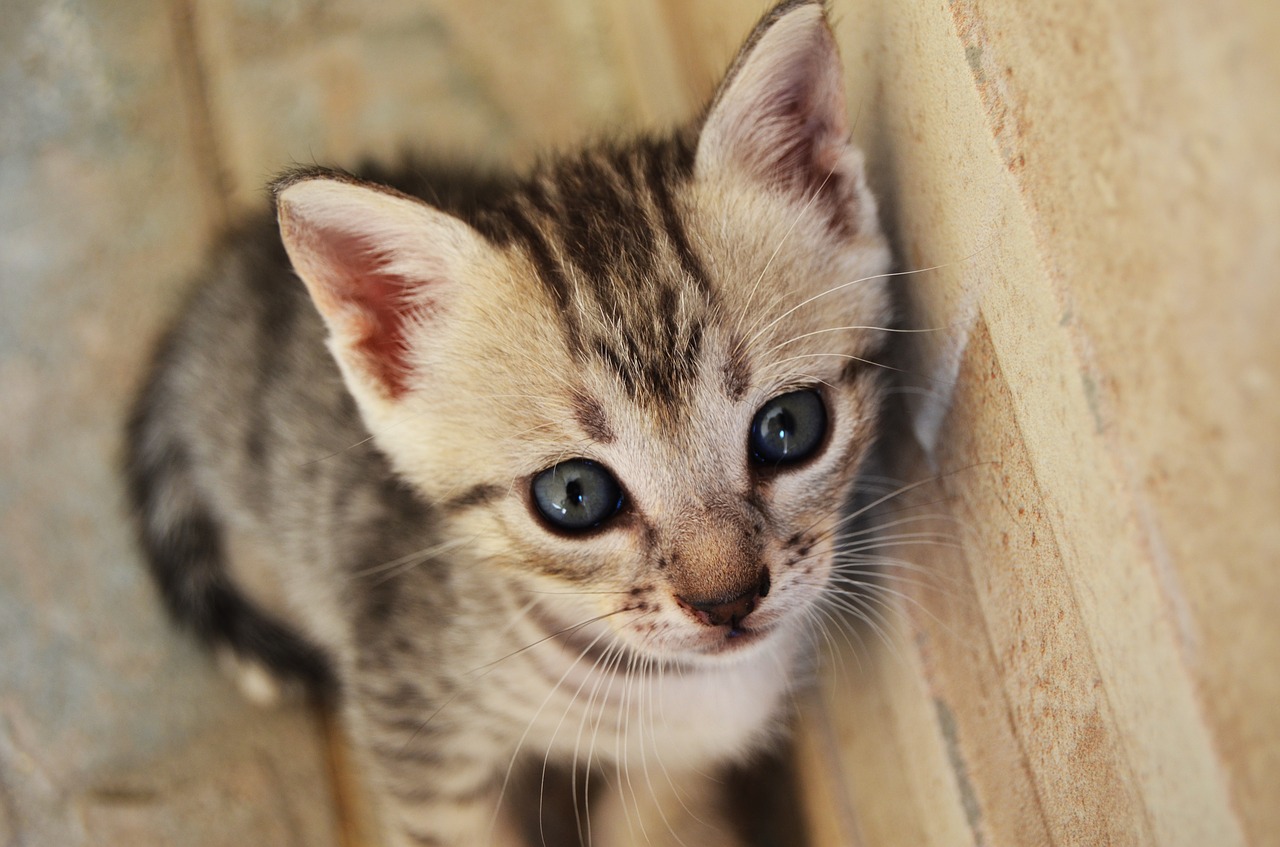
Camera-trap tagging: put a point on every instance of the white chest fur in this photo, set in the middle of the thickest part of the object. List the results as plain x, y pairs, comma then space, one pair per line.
599, 708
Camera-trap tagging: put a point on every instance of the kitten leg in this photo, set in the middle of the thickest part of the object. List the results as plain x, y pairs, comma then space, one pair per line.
671, 810
254, 680
448, 821
438, 784
435, 800
251, 568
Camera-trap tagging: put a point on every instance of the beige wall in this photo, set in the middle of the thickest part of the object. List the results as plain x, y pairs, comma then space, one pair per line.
1093, 661
1097, 662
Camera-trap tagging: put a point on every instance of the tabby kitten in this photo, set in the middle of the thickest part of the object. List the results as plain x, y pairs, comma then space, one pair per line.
566, 488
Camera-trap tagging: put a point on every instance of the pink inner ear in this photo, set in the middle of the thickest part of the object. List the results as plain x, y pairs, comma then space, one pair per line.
800, 142
803, 148
379, 307
781, 115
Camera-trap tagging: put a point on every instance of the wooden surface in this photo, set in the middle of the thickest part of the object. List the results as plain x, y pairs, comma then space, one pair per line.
1093, 660
1097, 662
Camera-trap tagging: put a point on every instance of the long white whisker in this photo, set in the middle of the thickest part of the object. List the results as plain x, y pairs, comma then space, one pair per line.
559, 632
844, 285
775, 348
776, 250
411, 560
502, 792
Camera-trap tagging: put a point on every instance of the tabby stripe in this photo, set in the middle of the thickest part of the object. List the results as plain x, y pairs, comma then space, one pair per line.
275, 320
737, 370
591, 416
482, 790
477, 495
689, 260
550, 273
605, 226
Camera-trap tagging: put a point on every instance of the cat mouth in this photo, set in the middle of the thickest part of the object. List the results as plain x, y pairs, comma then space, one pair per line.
735, 639
592, 643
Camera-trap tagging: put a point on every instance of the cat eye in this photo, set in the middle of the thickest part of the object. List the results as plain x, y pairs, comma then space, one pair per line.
788, 428
576, 495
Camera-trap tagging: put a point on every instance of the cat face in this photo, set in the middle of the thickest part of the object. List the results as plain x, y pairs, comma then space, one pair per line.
641, 384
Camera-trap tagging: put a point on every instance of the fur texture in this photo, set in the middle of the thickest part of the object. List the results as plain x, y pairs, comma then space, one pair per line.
366, 522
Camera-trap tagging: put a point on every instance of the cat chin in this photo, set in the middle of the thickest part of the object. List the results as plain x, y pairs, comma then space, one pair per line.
681, 648
710, 649
739, 644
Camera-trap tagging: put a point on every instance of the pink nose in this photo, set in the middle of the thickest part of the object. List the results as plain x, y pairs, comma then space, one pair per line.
727, 611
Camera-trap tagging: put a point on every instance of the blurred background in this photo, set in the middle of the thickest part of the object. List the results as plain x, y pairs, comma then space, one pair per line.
1096, 190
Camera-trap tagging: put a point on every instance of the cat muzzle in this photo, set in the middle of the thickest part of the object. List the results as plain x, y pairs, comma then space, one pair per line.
728, 611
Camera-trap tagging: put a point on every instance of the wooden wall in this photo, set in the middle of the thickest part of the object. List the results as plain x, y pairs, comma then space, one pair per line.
1091, 657
1096, 663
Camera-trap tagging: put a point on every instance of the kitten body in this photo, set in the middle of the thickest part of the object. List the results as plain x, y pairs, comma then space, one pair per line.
376, 522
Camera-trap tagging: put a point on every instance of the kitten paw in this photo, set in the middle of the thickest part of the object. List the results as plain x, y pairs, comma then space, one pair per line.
256, 682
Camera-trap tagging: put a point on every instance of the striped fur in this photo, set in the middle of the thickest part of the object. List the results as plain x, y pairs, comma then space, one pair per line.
364, 521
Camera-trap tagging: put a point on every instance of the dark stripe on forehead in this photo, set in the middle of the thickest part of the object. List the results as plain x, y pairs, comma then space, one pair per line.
590, 415
606, 230
737, 370
668, 164
606, 235
618, 362
549, 271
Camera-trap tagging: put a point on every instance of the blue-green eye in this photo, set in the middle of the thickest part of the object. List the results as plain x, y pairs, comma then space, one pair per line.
788, 428
576, 495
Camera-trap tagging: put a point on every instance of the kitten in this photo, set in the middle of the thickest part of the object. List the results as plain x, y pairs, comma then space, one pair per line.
566, 488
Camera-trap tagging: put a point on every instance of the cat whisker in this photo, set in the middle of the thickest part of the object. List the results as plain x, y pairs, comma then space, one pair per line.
859, 281
861, 511
781, 243
878, 529
656, 692
858, 577
336, 453
778, 365
622, 745
903, 540
870, 590
824, 621
608, 658
775, 348
482, 671
589, 676
506, 779
565, 631
612, 674
577, 593
410, 560
868, 609
901, 490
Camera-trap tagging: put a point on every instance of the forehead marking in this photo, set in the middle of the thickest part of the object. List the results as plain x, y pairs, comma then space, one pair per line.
736, 370
590, 415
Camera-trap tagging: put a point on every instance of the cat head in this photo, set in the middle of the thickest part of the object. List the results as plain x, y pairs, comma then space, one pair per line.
641, 382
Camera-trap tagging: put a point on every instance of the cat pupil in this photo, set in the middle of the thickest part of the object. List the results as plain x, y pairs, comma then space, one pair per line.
778, 424
576, 495
788, 428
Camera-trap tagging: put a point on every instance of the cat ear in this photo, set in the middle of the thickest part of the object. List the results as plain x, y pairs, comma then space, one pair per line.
380, 267
779, 115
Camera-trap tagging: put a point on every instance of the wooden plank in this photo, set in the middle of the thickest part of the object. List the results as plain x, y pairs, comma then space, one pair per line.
1055, 165
1155, 197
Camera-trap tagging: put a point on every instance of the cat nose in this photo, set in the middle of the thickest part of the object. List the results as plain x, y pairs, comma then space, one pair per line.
727, 611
